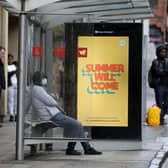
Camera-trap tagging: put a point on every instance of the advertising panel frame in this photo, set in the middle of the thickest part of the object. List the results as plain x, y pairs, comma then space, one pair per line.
134, 32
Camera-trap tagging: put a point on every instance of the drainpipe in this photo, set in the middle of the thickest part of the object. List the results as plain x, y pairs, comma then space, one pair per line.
165, 22
21, 86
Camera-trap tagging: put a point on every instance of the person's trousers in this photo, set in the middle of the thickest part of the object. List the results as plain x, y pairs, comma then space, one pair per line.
1, 118
0, 91
12, 100
161, 96
72, 129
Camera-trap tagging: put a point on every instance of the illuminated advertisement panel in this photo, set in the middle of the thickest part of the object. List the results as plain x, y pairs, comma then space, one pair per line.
102, 80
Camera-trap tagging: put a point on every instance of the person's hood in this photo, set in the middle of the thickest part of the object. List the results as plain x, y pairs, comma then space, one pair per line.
158, 50
37, 78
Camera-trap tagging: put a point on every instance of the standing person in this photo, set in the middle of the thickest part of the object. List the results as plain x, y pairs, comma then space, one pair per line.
159, 71
12, 88
2, 79
47, 109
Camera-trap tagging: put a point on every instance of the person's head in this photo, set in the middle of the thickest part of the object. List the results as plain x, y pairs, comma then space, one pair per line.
39, 78
2, 51
10, 59
161, 52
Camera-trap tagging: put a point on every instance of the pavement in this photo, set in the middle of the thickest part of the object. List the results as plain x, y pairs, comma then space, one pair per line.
151, 152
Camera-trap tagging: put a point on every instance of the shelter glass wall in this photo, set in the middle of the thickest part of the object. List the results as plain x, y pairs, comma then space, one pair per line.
46, 52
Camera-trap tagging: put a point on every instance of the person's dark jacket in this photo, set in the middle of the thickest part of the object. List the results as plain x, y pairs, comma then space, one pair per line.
10, 74
159, 70
2, 76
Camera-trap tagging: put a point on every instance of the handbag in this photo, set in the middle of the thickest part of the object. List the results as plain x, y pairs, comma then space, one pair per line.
153, 115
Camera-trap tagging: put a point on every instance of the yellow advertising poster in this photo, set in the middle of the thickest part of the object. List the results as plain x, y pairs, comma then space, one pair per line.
102, 80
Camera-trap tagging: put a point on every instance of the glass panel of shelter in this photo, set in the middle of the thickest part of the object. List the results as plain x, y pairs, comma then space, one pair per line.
45, 52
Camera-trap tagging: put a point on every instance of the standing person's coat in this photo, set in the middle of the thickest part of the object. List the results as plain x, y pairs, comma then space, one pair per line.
2, 83
2, 77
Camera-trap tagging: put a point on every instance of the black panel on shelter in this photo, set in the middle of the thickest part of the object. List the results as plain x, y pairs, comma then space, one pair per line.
134, 31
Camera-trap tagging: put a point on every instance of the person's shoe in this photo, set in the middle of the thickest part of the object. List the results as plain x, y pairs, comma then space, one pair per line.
162, 122
92, 151
73, 152
16, 118
48, 147
11, 118
1, 118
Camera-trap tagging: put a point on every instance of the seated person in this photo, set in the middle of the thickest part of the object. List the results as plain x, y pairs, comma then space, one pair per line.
46, 108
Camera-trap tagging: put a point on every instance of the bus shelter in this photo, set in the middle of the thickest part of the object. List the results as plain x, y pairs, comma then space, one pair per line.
55, 38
